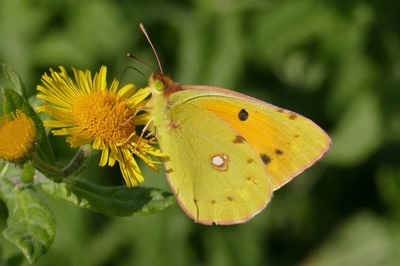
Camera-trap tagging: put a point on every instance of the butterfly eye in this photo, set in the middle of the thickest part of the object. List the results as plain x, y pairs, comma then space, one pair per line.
243, 115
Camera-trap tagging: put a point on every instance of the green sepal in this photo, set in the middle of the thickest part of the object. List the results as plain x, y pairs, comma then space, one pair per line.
14, 80
31, 225
12, 101
112, 201
27, 173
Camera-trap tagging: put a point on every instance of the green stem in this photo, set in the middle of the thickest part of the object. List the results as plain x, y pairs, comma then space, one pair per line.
72, 169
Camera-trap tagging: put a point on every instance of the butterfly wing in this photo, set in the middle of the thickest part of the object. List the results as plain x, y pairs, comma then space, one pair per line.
287, 143
216, 175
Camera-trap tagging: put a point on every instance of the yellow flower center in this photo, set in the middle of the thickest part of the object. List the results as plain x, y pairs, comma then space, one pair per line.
103, 116
17, 137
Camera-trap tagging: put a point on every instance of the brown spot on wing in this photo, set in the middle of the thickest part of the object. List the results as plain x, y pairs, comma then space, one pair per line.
229, 198
170, 170
239, 139
173, 125
278, 152
292, 116
251, 179
250, 161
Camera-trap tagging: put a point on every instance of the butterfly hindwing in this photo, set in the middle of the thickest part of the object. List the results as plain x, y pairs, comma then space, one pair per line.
216, 175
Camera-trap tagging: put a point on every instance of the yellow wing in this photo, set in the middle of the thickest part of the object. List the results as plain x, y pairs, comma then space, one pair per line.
287, 143
216, 175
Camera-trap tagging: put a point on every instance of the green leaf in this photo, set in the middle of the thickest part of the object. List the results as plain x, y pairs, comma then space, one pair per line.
112, 201
13, 101
15, 81
359, 132
31, 225
364, 239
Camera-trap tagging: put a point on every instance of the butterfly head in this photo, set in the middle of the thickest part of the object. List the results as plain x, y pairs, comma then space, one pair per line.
160, 84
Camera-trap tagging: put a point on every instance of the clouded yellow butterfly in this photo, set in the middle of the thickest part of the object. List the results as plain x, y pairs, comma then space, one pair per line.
227, 152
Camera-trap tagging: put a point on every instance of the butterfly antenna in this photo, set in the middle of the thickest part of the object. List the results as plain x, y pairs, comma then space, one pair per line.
141, 61
134, 68
152, 47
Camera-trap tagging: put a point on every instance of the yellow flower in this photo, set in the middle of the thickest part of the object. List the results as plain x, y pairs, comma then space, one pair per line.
17, 137
89, 112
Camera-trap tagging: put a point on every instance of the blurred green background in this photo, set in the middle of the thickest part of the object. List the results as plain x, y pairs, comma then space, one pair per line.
336, 62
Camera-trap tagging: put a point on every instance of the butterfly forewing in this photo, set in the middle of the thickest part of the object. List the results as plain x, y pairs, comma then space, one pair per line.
287, 143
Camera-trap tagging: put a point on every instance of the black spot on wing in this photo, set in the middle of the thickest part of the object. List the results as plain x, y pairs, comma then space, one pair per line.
265, 158
243, 115
278, 152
